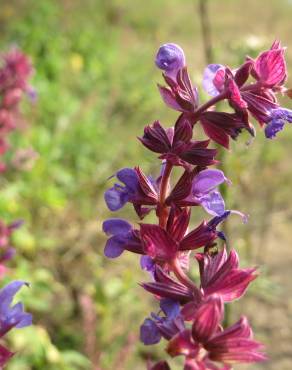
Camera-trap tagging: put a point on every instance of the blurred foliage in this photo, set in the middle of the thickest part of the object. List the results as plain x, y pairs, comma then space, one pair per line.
95, 80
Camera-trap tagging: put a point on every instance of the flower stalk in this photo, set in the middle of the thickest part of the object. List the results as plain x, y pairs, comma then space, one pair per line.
191, 313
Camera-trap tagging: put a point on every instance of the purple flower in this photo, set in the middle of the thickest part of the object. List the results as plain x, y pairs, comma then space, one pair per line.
138, 189
204, 191
165, 326
117, 196
278, 118
213, 79
147, 264
124, 237
282, 113
273, 127
12, 316
149, 332
170, 58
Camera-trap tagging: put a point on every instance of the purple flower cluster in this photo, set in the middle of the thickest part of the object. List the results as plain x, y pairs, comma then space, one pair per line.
190, 314
15, 70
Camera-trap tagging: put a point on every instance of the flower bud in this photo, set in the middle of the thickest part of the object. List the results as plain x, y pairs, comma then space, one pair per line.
170, 58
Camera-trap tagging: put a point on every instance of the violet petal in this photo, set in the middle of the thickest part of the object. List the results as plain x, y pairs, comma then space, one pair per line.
170, 307
273, 127
114, 247
129, 177
149, 333
213, 203
207, 180
208, 77
116, 226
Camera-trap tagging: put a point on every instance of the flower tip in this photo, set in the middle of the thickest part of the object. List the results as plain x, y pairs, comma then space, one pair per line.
244, 216
228, 181
170, 58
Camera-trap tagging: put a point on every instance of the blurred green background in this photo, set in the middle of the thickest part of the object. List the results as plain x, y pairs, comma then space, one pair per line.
96, 84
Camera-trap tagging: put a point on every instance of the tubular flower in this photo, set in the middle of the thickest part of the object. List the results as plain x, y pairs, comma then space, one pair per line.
204, 191
156, 327
117, 196
123, 237
137, 189
278, 118
14, 316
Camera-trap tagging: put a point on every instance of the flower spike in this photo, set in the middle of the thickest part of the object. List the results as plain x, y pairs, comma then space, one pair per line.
191, 313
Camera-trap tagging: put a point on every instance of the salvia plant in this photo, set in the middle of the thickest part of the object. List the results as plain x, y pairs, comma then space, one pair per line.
190, 315
15, 70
